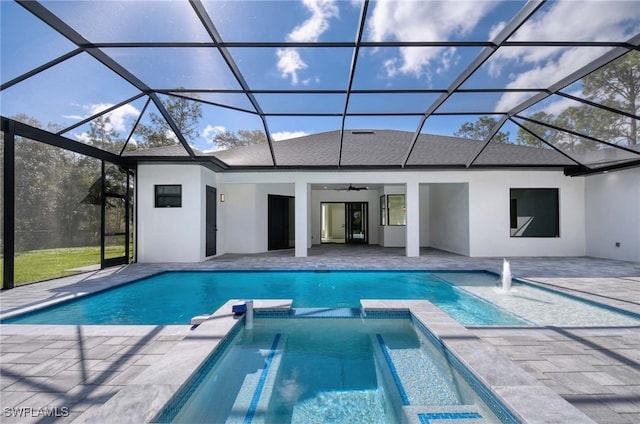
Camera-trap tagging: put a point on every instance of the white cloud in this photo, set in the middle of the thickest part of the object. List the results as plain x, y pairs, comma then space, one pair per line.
311, 29
117, 118
543, 75
565, 21
290, 63
74, 117
405, 21
211, 130
284, 135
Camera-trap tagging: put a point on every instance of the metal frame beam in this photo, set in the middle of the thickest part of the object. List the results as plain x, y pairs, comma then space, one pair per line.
529, 9
352, 72
9, 203
51, 139
206, 21
577, 134
559, 85
65, 30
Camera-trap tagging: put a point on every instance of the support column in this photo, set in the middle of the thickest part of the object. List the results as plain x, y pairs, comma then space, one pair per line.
302, 218
412, 202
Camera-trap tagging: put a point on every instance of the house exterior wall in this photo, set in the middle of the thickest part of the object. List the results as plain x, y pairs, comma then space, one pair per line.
171, 234
489, 215
465, 212
449, 217
613, 215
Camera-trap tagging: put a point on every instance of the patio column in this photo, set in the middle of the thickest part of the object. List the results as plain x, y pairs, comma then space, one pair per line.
302, 218
412, 203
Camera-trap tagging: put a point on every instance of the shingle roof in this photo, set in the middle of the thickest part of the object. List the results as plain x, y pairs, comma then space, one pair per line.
387, 148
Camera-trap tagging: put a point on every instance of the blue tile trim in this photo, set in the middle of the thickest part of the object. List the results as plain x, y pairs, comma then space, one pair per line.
387, 314
181, 397
263, 377
426, 418
392, 368
504, 414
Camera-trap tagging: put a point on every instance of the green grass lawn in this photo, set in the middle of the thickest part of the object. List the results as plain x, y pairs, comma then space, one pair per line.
38, 265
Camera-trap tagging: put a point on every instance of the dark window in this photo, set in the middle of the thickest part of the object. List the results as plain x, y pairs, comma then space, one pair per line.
534, 212
169, 196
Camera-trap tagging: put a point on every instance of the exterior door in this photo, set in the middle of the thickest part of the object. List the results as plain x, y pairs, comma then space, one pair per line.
116, 195
211, 221
356, 219
281, 223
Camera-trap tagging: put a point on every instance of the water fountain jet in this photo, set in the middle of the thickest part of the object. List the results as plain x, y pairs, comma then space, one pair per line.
506, 276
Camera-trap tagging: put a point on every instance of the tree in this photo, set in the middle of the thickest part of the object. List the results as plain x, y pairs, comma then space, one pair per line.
103, 136
185, 113
617, 85
546, 133
230, 140
480, 129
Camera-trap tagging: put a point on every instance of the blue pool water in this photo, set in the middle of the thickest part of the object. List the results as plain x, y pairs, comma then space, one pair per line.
176, 297
328, 371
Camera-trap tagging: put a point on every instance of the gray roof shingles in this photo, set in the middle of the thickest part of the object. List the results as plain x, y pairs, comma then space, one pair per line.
376, 148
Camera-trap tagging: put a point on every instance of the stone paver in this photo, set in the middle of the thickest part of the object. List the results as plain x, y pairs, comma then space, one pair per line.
82, 367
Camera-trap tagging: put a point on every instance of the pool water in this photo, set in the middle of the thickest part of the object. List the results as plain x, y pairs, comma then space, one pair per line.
326, 370
176, 297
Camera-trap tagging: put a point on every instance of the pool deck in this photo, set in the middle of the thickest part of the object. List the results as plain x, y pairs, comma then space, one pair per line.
81, 370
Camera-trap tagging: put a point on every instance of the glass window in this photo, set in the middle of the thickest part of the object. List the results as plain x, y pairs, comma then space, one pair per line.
534, 212
168, 196
397, 210
383, 211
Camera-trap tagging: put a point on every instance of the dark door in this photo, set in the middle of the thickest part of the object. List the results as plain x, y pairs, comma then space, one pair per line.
356, 221
211, 226
281, 224
116, 197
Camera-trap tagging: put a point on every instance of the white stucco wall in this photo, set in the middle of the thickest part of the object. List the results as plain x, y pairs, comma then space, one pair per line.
613, 215
242, 218
489, 215
466, 212
425, 216
171, 234
449, 217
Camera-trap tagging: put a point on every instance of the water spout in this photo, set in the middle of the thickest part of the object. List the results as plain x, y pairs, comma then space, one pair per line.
248, 319
506, 276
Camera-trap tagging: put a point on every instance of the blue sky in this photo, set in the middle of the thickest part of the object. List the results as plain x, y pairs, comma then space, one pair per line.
81, 86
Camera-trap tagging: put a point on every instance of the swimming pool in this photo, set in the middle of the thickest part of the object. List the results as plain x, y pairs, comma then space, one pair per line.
330, 370
471, 298
176, 297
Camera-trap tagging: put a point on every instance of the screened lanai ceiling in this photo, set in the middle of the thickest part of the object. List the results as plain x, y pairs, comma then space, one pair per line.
337, 84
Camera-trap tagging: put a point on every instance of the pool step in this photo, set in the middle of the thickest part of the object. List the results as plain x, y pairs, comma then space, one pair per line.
252, 401
436, 384
425, 395
353, 406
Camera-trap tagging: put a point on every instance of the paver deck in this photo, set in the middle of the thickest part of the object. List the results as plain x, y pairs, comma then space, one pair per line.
69, 371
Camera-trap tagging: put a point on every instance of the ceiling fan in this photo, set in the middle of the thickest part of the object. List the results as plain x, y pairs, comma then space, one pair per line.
352, 188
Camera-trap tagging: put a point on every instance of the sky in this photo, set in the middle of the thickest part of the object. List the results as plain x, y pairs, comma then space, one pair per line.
80, 86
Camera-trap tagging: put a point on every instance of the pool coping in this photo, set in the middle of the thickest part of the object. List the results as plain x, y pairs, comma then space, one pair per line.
145, 396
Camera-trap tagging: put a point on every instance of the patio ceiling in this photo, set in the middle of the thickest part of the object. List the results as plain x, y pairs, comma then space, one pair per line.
552, 75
